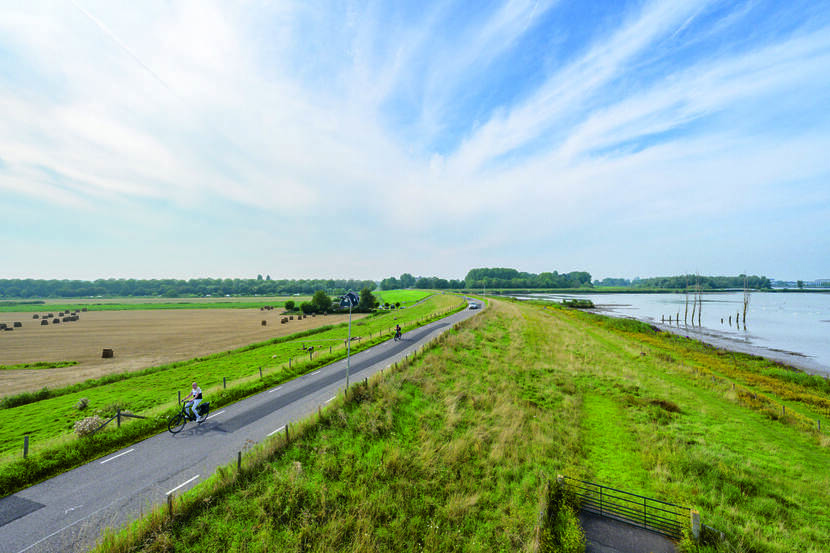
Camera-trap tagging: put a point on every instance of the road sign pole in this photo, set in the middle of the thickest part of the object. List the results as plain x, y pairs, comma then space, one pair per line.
349, 347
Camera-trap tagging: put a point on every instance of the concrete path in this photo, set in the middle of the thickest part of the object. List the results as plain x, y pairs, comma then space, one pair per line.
605, 535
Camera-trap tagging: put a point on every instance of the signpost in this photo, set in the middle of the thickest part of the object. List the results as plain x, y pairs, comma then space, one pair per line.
349, 300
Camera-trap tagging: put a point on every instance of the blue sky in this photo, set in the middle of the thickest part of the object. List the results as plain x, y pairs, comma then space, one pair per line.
356, 139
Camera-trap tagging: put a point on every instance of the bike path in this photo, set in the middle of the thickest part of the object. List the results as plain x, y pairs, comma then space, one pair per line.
69, 512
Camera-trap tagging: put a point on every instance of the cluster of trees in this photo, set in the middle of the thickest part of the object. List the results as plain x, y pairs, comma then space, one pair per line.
688, 281
406, 280
511, 278
491, 278
321, 302
172, 288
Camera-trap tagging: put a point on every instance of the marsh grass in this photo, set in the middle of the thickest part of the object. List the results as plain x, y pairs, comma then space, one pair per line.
450, 451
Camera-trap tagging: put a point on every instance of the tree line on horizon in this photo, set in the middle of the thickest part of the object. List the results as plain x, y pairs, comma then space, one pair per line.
683, 282
174, 288
480, 278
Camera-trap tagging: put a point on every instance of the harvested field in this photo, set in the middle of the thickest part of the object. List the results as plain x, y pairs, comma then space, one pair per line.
140, 339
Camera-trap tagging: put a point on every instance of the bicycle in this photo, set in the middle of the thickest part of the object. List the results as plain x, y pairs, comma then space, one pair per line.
179, 420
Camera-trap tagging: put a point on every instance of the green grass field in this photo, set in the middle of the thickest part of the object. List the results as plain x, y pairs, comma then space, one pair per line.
450, 452
405, 297
153, 392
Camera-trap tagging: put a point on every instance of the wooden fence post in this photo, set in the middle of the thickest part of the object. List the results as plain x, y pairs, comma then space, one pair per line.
118, 418
695, 519
238, 460
224, 383
26, 443
260, 372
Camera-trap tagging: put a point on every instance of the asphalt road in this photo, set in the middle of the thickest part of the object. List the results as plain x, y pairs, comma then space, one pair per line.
69, 512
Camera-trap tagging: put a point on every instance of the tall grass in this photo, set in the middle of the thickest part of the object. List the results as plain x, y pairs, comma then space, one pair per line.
449, 453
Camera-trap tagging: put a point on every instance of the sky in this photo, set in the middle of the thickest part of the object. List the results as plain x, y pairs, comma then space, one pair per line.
184, 139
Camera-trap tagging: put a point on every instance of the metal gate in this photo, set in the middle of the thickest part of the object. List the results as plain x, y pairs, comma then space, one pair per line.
652, 514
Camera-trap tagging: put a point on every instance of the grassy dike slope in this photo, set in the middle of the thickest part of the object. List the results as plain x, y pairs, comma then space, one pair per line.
449, 453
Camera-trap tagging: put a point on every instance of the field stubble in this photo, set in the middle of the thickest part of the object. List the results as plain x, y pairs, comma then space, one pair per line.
140, 339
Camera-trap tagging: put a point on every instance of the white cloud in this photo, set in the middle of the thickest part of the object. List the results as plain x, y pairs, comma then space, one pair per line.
285, 114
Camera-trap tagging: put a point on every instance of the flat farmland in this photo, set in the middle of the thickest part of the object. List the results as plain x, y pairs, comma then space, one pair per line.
139, 339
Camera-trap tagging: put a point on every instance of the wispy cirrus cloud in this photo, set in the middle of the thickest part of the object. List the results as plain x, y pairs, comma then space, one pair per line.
479, 134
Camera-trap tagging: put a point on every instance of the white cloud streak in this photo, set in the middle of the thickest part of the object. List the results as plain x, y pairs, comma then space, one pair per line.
189, 105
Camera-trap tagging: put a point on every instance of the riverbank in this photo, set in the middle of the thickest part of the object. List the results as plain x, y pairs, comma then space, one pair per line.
724, 340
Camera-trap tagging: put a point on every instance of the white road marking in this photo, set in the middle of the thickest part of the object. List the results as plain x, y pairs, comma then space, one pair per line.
182, 485
274, 389
330, 399
277, 430
117, 456
69, 510
315, 372
217, 414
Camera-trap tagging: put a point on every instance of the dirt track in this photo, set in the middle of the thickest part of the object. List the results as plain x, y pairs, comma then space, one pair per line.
140, 339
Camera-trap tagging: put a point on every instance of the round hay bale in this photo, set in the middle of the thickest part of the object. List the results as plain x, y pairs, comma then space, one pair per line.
283, 320
291, 318
18, 325
264, 323
83, 309
107, 353
8, 328
44, 322
56, 321
50, 315
2, 326
65, 319
35, 316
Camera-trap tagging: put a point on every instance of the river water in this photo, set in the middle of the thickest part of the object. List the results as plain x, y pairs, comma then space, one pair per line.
790, 327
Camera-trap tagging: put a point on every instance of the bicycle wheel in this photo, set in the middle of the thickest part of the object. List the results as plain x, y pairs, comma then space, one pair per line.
176, 423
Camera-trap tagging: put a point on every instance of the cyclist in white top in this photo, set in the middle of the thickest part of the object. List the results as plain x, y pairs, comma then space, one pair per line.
195, 398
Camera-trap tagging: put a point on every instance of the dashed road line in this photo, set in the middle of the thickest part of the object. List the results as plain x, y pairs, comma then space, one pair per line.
182, 485
274, 389
277, 430
117, 456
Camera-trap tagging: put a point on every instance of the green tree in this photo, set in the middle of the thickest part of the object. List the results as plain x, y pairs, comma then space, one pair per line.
321, 301
306, 308
800, 284
407, 280
367, 300
289, 305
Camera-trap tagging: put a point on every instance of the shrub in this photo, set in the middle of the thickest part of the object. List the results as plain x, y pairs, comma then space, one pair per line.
82, 404
85, 427
289, 305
